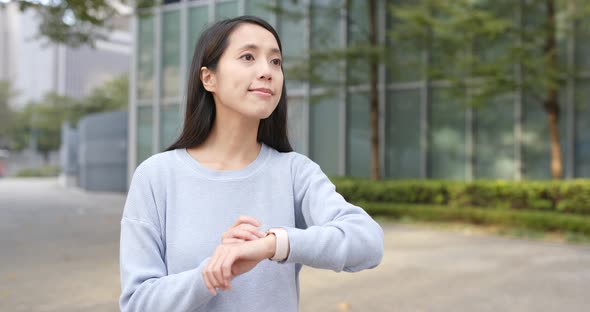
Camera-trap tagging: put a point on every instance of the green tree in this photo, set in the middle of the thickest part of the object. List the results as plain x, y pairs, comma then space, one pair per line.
6, 112
321, 66
112, 95
40, 121
489, 50
75, 22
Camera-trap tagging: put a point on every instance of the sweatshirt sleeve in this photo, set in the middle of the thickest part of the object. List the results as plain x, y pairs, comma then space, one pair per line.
145, 283
331, 233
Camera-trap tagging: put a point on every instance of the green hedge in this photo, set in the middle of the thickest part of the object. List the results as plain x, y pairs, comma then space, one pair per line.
557, 196
46, 171
534, 220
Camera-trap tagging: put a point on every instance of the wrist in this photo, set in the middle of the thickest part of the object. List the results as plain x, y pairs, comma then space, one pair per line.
281, 249
270, 244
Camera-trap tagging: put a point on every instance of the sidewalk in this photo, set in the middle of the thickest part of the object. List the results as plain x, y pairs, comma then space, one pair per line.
60, 253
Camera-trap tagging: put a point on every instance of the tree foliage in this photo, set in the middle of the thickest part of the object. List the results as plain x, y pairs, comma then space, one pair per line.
494, 48
322, 65
74, 22
6, 113
40, 121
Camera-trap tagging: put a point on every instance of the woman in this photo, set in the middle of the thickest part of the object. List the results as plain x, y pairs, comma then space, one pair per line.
193, 229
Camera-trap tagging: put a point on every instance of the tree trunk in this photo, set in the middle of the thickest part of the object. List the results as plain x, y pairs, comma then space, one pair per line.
551, 102
374, 95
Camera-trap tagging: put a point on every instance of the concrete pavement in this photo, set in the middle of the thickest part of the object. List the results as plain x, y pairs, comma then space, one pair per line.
59, 252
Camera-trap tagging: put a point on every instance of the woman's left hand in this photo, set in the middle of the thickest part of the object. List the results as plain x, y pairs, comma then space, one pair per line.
245, 229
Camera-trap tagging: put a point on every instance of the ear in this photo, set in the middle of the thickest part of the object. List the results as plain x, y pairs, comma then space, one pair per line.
208, 79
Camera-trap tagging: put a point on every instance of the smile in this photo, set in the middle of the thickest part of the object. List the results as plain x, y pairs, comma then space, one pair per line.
262, 92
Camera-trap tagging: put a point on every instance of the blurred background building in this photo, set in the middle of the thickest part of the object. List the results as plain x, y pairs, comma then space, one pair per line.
36, 67
424, 132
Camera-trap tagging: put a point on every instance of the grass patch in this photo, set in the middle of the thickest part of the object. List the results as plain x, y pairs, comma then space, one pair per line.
45, 171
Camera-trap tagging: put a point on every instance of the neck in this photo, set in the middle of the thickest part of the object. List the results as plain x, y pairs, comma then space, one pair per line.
232, 142
235, 139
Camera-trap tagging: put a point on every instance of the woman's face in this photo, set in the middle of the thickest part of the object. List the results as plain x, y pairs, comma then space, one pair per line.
248, 78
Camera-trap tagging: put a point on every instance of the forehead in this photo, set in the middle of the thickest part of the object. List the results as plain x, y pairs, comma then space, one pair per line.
251, 34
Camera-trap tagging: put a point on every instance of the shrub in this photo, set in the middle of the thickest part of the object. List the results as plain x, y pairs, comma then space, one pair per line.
558, 196
534, 220
46, 171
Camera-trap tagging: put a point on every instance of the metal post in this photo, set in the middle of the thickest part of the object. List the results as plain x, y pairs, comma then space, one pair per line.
570, 104
343, 122
157, 81
132, 126
518, 105
382, 82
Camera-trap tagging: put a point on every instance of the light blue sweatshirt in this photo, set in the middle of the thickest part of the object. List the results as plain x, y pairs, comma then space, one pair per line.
177, 209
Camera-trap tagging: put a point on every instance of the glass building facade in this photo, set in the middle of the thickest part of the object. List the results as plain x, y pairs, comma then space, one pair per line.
424, 131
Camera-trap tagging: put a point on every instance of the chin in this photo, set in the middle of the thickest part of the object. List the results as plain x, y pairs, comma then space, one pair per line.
264, 113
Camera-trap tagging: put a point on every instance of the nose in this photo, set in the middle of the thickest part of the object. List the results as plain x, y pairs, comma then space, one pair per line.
265, 71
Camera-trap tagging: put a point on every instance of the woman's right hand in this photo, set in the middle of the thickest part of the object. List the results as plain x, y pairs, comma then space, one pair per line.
245, 229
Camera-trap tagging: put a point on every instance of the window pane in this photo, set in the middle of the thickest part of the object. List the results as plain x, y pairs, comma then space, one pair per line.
170, 125
358, 146
583, 45
325, 137
447, 134
494, 139
582, 140
403, 134
259, 8
144, 133
358, 28
291, 30
197, 22
171, 54
227, 9
325, 37
145, 57
405, 58
295, 123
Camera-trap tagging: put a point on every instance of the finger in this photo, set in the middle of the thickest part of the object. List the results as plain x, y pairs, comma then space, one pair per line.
208, 282
226, 266
217, 272
225, 276
252, 229
208, 277
247, 220
215, 282
241, 231
243, 234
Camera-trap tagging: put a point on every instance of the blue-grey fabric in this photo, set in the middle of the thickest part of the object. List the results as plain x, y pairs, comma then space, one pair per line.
177, 210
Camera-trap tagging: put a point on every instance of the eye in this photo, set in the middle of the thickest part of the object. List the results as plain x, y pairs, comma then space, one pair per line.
247, 57
277, 62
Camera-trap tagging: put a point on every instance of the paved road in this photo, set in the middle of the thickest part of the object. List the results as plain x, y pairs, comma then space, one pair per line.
59, 252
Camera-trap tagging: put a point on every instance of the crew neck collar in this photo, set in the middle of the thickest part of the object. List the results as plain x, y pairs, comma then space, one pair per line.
214, 174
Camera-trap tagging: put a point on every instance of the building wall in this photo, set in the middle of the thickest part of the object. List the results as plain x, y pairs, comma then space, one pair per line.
26, 62
425, 132
86, 68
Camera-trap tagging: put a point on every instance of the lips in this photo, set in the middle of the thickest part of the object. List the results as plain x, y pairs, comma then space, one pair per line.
262, 91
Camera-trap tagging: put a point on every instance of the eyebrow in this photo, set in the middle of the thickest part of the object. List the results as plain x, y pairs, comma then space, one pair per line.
252, 46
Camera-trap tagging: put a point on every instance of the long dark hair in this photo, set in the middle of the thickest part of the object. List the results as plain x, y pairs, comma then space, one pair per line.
200, 106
